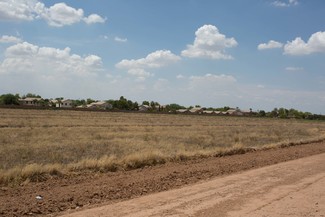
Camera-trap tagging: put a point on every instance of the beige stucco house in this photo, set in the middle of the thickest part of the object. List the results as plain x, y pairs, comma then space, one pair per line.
100, 105
30, 101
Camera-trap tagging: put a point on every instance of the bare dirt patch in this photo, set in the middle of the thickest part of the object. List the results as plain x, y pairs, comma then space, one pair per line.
293, 188
87, 190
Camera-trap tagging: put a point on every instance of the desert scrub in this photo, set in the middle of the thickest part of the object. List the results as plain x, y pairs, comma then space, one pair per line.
38, 140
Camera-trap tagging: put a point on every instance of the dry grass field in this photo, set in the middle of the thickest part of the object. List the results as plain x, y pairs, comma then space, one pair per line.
36, 144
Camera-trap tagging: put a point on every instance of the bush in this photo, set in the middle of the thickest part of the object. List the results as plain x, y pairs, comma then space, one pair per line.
9, 99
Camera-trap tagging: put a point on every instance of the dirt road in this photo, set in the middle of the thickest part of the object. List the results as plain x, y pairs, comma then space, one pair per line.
89, 189
294, 188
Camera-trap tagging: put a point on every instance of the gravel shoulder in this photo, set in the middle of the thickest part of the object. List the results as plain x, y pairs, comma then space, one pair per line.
63, 195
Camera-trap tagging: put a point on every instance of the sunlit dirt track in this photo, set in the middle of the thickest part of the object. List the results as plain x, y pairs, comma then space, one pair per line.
294, 188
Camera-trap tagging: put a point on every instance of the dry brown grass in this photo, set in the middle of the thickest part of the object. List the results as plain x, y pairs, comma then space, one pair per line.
37, 143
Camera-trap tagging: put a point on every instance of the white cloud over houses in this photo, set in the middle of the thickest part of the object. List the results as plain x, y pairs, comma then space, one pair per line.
270, 45
315, 44
29, 59
288, 3
209, 43
213, 78
157, 59
9, 39
222, 90
58, 15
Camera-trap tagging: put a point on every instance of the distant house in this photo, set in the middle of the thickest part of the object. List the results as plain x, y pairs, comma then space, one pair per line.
248, 112
54, 102
234, 112
144, 108
218, 112
100, 105
29, 101
162, 107
196, 110
65, 103
208, 112
182, 110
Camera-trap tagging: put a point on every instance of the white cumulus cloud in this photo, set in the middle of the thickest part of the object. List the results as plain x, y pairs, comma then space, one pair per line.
157, 59
293, 69
9, 39
288, 3
139, 73
209, 43
94, 18
315, 44
180, 76
26, 58
57, 15
18, 10
270, 45
212, 81
118, 39
215, 78
61, 14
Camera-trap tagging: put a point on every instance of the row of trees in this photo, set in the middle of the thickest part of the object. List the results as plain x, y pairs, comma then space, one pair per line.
291, 113
124, 104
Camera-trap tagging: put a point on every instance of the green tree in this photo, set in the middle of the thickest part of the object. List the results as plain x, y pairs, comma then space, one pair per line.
262, 113
135, 106
223, 109
273, 113
79, 102
9, 99
283, 113
89, 100
31, 95
174, 107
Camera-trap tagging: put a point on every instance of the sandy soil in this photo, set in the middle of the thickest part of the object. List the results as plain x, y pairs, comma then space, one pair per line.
295, 188
88, 190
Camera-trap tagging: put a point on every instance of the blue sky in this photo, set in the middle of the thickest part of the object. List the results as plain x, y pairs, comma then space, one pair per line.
258, 54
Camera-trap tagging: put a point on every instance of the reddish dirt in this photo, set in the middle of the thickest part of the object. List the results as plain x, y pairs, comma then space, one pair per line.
88, 190
293, 188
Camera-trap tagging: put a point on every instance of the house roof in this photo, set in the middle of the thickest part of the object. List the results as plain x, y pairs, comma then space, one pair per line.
208, 112
182, 110
99, 103
196, 109
30, 99
66, 100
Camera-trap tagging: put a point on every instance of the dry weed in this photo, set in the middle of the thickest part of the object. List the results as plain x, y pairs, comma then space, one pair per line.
36, 143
